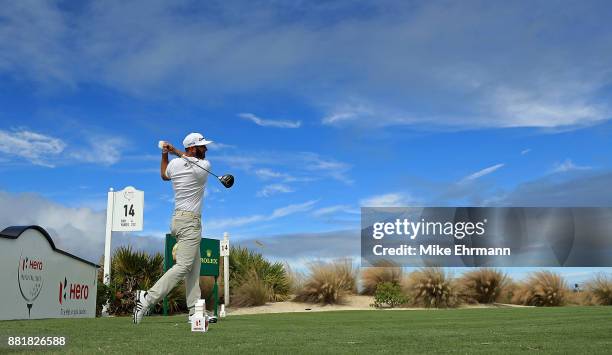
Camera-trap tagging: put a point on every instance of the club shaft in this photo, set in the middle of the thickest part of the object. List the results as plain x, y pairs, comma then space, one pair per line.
196, 164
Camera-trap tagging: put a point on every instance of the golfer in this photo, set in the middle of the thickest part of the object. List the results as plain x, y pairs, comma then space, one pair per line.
188, 182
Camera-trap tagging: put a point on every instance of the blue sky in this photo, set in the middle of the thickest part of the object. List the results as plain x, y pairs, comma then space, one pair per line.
318, 108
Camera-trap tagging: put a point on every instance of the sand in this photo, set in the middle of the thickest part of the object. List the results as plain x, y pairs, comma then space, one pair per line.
353, 303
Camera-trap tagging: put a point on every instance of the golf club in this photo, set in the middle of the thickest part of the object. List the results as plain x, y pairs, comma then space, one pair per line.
227, 180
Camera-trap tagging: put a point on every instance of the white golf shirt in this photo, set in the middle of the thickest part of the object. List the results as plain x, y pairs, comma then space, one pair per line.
188, 182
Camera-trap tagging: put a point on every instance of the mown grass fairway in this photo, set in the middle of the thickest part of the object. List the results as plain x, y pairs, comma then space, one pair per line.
545, 330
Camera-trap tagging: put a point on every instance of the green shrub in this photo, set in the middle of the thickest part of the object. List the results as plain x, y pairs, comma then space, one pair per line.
432, 287
390, 294
601, 289
328, 282
384, 271
483, 285
542, 289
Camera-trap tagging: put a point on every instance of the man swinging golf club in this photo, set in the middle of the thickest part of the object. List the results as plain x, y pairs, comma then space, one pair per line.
188, 174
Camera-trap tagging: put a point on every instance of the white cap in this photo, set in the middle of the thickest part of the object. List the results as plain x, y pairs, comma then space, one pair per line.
194, 140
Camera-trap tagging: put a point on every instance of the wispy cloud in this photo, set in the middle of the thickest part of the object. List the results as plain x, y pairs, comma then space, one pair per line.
568, 165
273, 189
329, 167
304, 166
525, 151
277, 213
335, 209
481, 173
101, 150
270, 123
395, 199
37, 148
269, 174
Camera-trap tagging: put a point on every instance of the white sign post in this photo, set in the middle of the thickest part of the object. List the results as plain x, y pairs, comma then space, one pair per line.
124, 213
224, 252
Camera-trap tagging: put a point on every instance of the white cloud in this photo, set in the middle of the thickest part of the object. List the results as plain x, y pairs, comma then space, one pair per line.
37, 148
330, 210
552, 107
481, 173
268, 174
270, 123
101, 150
220, 146
272, 189
244, 220
395, 199
45, 150
347, 113
77, 230
336, 117
525, 151
568, 165
291, 209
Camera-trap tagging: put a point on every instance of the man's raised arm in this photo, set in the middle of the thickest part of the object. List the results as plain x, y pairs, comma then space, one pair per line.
168, 148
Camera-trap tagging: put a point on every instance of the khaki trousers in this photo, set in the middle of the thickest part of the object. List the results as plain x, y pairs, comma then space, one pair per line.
187, 228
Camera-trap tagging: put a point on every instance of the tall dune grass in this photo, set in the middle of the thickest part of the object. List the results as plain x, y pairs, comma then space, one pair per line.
253, 291
600, 287
432, 287
328, 282
384, 271
483, 285
542, 289
295, 277
244, 262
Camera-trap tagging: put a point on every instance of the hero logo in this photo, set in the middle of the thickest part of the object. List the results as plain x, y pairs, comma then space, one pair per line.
72, 291
30, 278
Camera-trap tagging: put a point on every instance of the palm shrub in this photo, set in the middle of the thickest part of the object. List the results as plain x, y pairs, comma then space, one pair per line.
245, 263
600, 287
383, 271
542, 289
133, 270
432, 287
483, 285
328, 282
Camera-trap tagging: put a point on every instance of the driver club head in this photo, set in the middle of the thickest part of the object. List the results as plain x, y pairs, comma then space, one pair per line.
227, 180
